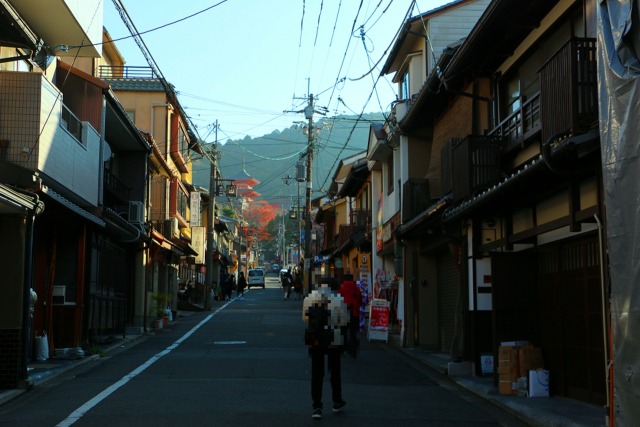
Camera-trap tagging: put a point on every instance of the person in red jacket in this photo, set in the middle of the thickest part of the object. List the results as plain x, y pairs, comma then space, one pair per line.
353, 298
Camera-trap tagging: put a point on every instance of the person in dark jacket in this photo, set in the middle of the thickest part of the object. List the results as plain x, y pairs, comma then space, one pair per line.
287, 282
242, 283
325, 314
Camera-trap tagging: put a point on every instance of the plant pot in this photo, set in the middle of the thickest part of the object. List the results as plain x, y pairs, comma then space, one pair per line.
158, 324
165, 321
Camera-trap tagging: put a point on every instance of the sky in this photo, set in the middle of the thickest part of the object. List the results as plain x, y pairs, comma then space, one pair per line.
250, 65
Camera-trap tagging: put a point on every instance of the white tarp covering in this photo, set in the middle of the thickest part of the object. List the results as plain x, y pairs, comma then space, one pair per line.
619, 87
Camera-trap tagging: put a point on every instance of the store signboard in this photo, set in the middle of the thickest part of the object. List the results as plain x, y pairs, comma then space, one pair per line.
197, 242
378, 320
194, 207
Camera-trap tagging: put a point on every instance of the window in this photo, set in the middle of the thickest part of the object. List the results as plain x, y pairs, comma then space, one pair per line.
183, 202
405, 91
71, 124
182, 142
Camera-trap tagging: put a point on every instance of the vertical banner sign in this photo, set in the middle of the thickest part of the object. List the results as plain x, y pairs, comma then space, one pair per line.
379, 320
365, 276
197, 241
379, 228
194, 207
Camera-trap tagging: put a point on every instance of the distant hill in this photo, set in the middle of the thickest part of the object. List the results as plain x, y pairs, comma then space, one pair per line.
271, 157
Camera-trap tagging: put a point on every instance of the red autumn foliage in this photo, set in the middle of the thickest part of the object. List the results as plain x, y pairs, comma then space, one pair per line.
259, 214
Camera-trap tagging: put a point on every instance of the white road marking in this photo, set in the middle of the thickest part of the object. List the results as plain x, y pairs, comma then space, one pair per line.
78, 413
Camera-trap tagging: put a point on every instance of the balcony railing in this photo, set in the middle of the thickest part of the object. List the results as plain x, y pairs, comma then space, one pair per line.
475, 165
569, 89
567, 101
345, 231
521, 124
71, 124
115, 186
415, 198
361, 218
125, 72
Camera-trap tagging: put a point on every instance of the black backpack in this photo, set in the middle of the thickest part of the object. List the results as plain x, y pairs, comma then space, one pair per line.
318, 333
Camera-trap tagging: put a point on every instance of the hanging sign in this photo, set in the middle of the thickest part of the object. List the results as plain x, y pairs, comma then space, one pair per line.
194, 207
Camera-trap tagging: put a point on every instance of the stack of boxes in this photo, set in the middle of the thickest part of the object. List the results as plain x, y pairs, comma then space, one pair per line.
515, 360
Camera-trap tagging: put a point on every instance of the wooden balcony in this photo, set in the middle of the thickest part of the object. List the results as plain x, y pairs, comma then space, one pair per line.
361, 218
345, 231
567, 101
415, 198
475, 165
521, 125
569, 89
360, 225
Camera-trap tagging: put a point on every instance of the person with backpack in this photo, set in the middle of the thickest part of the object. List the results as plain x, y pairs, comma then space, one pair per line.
325, 314
353, 298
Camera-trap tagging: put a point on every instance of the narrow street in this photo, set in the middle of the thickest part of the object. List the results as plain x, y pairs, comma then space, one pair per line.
244, 364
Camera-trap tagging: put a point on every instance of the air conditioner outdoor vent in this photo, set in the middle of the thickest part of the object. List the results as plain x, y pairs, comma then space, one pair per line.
136, 212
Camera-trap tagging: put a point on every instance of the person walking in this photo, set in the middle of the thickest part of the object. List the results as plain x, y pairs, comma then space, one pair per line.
353, 298
224, 282
297, 285
242, 283
287, 281
231, 283
325, 314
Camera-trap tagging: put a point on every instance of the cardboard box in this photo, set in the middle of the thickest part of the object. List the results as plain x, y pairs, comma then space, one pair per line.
506, 388
539, 383
529, 358
507, 354
508, 368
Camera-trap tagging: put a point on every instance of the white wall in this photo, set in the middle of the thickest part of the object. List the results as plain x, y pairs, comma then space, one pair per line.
73, 164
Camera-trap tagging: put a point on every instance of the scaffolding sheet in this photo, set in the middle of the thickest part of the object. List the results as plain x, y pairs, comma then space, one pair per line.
619, 88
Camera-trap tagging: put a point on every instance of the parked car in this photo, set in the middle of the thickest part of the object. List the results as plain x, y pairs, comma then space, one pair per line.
255, 278
275, 268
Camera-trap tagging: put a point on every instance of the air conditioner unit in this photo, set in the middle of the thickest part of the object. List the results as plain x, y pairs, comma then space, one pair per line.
136, 212
171, 228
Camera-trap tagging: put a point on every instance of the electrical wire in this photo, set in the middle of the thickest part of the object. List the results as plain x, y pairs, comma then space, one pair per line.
318, 25
139, 33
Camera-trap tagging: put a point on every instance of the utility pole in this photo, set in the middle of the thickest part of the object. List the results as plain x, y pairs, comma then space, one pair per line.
308, 114
211, 244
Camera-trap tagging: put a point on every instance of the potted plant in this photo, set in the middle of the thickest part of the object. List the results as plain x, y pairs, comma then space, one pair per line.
161, 303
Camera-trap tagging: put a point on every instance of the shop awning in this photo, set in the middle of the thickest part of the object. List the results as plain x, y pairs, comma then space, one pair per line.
185, 246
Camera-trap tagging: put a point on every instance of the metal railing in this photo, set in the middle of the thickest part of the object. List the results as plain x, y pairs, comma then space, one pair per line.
115, 186
126, 72
71, 124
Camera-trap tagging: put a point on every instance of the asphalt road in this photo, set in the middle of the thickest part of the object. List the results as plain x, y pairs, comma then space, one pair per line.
245, 364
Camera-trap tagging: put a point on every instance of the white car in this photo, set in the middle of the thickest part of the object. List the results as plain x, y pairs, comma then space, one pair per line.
255, 278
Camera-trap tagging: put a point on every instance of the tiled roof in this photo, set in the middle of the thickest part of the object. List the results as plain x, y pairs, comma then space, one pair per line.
143, 85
